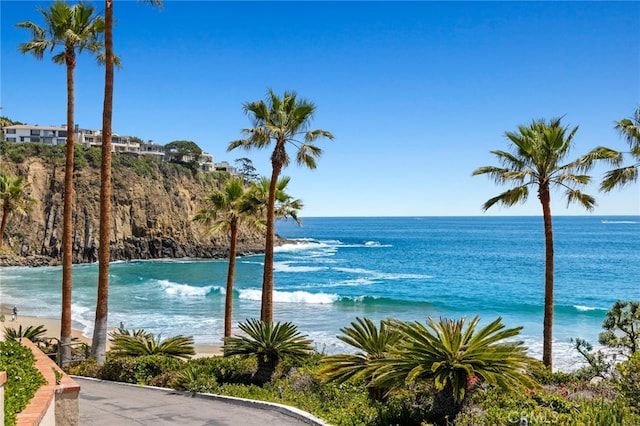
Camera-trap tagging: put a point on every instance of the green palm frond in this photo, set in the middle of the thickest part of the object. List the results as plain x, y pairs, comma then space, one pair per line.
33, 333
538, 150
266, 340
371, 342
508, 198
140, 343
451, 352
619, 177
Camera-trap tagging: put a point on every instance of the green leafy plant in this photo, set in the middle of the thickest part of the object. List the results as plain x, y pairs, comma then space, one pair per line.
140, 342
622, 327
33, 333
629, 381
372, 343
451, 354
269, 343
23, 379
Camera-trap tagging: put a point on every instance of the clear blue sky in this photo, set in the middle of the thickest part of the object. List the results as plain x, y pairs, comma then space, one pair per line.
416, 93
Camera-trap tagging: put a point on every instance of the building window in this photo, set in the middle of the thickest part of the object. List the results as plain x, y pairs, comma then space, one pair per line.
35, 139
10, 131
48, 141
11, 139
35, 132
61, 141
62, 133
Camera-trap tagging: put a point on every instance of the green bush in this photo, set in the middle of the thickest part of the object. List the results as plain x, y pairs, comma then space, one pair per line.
150, 366
93, 156
23, 379
86, 368
629, 381
194, 379
119, 369
225, 369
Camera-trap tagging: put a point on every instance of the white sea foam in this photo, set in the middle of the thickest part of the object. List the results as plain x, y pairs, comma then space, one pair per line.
175, 289
383, 275
582, 308
619, 221
287, 267
291, 296
82, 315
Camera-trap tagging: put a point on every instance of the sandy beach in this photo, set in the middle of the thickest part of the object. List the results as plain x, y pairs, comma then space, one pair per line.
52, 325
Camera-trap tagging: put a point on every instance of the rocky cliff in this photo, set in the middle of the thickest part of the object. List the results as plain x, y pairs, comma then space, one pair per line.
152, 209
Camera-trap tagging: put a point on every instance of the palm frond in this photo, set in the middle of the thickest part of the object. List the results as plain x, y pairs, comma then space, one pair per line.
619, 177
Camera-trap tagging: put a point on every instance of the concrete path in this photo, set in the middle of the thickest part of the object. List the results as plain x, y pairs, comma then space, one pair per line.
115, 404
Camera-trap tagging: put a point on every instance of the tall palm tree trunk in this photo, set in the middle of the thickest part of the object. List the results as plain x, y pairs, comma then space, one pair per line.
547, 340
5, 216
67, 232
266, 313
228, 300
99, 342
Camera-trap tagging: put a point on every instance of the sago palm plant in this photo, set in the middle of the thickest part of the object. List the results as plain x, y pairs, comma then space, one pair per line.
372, 343
140, 343
269, 342
34, 333
450, 355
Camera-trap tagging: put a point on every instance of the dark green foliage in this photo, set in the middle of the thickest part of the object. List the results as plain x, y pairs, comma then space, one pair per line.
269, 343
629, 381
193, 378
87, 368
599, 363
150, 366
118, 369
33, 333
372, 343
93, 156
23, 379
622, 327
225, 369
140, 342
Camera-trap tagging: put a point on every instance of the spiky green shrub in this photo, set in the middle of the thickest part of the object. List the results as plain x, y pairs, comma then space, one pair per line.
33, 333
140, 342
23, 379
269, 343
372, 343
452, 355
194, 378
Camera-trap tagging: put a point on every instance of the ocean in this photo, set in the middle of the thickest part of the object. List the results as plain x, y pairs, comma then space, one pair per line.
337, 269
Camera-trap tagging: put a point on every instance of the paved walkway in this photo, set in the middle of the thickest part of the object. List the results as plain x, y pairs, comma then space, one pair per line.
115, 404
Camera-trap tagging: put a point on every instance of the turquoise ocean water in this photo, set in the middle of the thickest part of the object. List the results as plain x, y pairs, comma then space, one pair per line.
342, 268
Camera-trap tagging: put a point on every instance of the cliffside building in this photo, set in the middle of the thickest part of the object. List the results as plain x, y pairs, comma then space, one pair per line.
51, 135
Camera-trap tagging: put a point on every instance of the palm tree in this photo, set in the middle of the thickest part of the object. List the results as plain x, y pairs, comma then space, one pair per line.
141, 343
269, 342
629, 128
226, 210
284, 121
99, 341
13, 198
372, 343
74, 28
286, 207
535, 161
452, 355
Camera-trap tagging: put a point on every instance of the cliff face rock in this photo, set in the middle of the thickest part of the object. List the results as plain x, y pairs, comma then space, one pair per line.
152, 211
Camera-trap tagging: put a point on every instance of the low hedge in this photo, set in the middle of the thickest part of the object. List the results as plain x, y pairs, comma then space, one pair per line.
23, 379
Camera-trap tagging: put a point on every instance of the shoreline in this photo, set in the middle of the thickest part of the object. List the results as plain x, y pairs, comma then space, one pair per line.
52, 325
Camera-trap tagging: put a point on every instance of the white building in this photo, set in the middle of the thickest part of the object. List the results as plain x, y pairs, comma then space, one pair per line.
51, 135
48, 135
